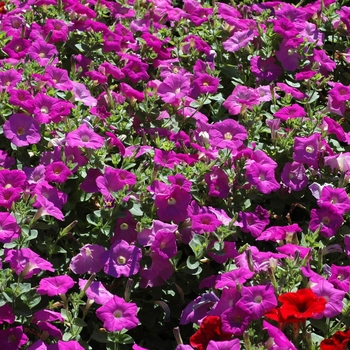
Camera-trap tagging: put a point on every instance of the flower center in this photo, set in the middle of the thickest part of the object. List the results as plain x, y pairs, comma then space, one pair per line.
85, 138
118, 314
258, 299
171, 201
20, 131
334, 200
177, 91
87, 252
326, 220
291, 176
261, 177
41, 55
228, 136
309, 149
11, 338
121, 260
124, 226
44, 109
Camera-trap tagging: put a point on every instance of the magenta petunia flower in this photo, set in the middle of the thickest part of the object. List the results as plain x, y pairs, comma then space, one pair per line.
9, 228
17, 48
290, 112
253, 222
227, 134
156, 273
277, 339
340, 277
43, 52
258, 299
166, 159
88, 259
336, 197
291, 91
26, 260
9, 79
234, 277
57, 172
262, 177
52, 286
135, 69
172, 205
229, 251
57, 78
117, 315
125, 228
58, 30
84, 137
236, 319
96, 292
217, 182
240, 99
22, 98
174, 88
13, 338
22, 130
82, 94
265, 69
334, 299
164, 244
294, 176
287, 54
238, 40
6, 314
328, 218
121, 259
306, 150
114, 180
205, 223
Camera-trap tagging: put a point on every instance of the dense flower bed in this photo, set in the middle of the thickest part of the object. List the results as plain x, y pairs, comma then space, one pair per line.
174, 175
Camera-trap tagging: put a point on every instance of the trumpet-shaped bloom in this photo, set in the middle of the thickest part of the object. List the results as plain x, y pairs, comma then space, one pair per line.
55, 285
117, 315
84, 137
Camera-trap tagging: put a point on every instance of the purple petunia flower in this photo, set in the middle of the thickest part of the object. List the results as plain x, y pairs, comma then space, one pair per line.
9, 79
234, 277
6, 314
290, 112
22, 130
227, 134
253, 222
125, 228
164, 244
238, 40
236, 319
334, 299
205, 223
294, 176
240, 99
306, 150
57, 172
58, 30
265, 69
336, 197
9, 228
13, 338
26, 260
328, 218
57, 78
117, 315
52, 286
84, 137
217, 182
43, 52
174, 88
121, 259
96, 292
88, 260
258, 299
262, 177
277, 339
340, 277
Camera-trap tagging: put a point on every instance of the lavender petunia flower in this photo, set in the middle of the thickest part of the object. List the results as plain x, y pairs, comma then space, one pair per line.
55, 285
88, 260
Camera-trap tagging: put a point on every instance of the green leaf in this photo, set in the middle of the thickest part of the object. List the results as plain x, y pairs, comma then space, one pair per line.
192, 263
198, 244
79, 322
100, 337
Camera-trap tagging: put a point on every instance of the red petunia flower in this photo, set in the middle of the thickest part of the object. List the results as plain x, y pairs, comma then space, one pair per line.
210, 329
298, 306
338, 341
2, 8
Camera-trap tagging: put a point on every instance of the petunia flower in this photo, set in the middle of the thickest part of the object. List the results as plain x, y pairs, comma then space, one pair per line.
9, 228
336, 197
57, 172
96, 291
52, 286
293, 175
297, 306
57, 78
121, 259
236, 319
117, 315
262, 177
13, 338
253, 222
210, 329
43, 52
340, 277
25, 259
328, 218
265, 69
9, 79
84, 137
58, 30
88, 259
22, 130
259, 299
6, 314
290, 112
306, 150
205, 223
174, 88
334, 299
238, 40
240, 99
338, 341
277, 339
